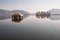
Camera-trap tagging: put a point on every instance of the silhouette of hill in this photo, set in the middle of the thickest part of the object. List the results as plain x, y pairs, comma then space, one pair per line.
5, 14
54, 11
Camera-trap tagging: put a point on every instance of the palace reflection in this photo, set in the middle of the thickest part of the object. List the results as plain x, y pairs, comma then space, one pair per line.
52, 17
17, 21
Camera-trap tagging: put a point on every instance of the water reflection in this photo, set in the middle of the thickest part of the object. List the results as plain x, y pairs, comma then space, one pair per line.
31, 28
17, 21
10, 17
43, 16
52, 17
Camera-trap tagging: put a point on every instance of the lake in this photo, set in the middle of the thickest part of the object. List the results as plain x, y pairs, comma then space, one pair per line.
31, 28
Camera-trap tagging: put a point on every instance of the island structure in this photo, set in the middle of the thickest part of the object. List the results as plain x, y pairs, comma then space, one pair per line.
17, 17
42, 14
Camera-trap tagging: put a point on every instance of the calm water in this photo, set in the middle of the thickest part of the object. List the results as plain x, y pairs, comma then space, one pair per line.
31, 28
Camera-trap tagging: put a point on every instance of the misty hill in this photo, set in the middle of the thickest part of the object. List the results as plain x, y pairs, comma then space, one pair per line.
19, 11
4, 14
3, 11
54, 11
25, 13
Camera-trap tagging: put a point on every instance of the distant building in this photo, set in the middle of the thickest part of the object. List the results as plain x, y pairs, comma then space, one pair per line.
17, 17
38, 14
45, 14
42, 14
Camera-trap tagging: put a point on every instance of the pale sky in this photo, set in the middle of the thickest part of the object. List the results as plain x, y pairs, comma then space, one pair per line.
29, 5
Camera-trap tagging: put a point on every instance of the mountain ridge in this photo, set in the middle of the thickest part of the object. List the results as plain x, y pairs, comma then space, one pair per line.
54, 11
4, 14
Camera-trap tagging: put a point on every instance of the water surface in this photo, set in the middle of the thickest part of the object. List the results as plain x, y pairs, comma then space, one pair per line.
31, 28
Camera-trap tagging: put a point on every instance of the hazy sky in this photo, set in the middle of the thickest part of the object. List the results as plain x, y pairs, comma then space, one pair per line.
29, 5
